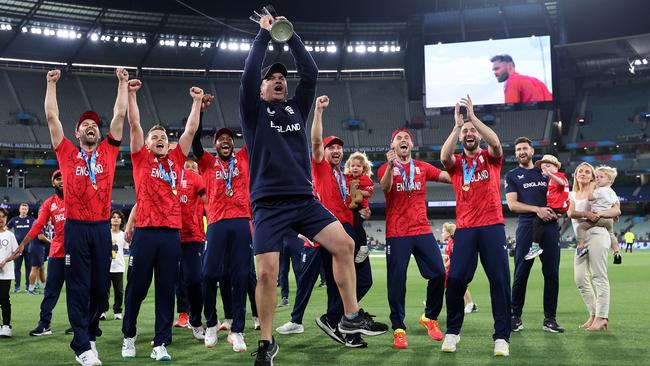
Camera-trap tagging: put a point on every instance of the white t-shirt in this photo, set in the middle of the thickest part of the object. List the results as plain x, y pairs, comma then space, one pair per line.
604, 199
117, 252
8, 245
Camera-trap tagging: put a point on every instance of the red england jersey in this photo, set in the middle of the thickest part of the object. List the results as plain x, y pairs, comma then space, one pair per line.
53, 209
557, 196
365, 184
157, 205
525, 89
190, 191
449, 248
481, 204
215, 171
329, 191
84, 202
406, 211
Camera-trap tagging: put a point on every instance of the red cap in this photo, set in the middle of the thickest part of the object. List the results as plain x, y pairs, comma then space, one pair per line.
332, 140
57, 173
88, 115
401, 129
222, 131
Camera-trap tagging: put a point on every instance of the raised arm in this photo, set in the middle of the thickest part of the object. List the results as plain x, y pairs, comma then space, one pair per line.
386, 180
249, 91
137, 136
490, 137
121, 103
197, 146
447, 152
52, 108
317, 149
185, 141
308, 72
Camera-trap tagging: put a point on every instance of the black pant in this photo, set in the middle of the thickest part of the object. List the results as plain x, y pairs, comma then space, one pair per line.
538, 229
117, 280
628, 246
4, 301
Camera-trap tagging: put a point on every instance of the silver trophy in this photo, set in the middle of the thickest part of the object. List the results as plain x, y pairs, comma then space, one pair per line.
281, 29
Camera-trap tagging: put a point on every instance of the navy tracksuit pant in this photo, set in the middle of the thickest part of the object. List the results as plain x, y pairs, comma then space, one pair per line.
18, 262
490, 243
190, 282
427, 256
226, 293
229, 254
550, 259
155, 252
291, 252
55, 279
87, 265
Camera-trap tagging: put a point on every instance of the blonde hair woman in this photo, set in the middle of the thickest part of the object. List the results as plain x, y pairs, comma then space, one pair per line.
590, 271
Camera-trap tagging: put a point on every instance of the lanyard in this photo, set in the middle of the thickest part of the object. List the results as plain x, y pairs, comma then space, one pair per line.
167, 177
91, 163
468, 172
340, 180
227, 175
410, 184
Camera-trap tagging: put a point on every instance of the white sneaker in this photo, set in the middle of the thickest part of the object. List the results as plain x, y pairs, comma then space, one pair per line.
88, 358
227, 323
501, 348
210, 338
102, 317
256, 323
362, 254
199, 333
160, 353
470, 308
290, 328
117, 316
5, 331
128, 347
93, 347
449, 344
237, 341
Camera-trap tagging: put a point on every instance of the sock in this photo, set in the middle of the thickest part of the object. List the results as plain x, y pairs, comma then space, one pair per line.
535, 245
424, 318
352, 316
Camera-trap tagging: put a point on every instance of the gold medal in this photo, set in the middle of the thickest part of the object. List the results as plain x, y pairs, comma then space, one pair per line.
95, 186
465, 187
175, 191
229, 192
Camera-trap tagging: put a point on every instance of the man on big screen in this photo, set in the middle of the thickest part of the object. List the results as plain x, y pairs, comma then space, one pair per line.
518, 88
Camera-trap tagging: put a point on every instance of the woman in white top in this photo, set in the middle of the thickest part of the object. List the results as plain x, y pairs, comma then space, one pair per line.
590, 271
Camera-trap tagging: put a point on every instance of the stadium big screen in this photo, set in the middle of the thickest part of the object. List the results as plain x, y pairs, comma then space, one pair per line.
515, 70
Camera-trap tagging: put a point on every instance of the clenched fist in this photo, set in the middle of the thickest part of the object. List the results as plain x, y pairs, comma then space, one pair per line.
134, 85
196, 93
122, 74
53, 76
206, 101
322, 102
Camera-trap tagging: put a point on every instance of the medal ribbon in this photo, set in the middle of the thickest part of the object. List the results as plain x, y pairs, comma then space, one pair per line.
167, 177
468, 172
91, 163
340, 180
228, 175
410, 184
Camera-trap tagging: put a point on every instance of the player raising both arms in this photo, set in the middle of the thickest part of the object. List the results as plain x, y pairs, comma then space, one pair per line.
88, 172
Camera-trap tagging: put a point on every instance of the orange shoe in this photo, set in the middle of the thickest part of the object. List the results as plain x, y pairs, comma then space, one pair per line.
183, 320
433, 329
399, 339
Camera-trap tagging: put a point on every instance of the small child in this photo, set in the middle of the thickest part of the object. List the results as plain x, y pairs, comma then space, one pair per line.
358, 170
557, 199
8, 245
116, 275
601, 198
447, 235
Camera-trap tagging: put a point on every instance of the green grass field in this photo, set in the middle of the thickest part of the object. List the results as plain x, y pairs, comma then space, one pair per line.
624, 344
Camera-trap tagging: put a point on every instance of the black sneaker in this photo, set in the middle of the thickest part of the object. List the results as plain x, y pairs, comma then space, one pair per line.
40, 331
69, 331
617, 258
363, 324
265, 353
516, 324
550, 325
332, 332
355, 341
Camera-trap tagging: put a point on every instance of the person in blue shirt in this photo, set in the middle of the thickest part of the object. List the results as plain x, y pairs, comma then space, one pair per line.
21, 225
281, 189
526, 195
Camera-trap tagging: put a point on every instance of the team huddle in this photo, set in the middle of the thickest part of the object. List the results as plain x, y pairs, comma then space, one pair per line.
282, 187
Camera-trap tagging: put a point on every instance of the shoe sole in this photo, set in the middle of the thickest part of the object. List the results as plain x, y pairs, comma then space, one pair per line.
128, 356
551, 330
40, 334
325, 328
432, 337
366, 332
502, 354
449, 350
164, 358
293, 331
210, 345
360, 345
529, 257
518, 329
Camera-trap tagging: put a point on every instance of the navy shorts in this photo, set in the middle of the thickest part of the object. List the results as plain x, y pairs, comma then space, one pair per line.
273, 217
37, 254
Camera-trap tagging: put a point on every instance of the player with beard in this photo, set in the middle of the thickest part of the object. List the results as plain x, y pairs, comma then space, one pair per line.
519, 88
331, 186
88, 172
53, 209
475, 175
526, 192
156, 244
228, 252
281, 184
403, 180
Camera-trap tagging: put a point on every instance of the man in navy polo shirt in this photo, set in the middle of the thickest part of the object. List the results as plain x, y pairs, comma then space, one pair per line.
21, 225
526, 195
